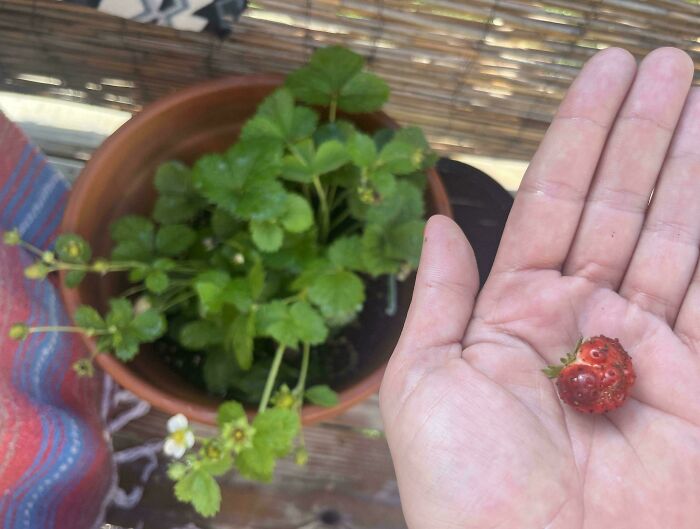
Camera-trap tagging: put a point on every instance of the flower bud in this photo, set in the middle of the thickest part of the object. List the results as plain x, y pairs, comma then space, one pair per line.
143, 303
19, 331
48, 257
36, 271
100, 266
301, 457
84, 368
12, 237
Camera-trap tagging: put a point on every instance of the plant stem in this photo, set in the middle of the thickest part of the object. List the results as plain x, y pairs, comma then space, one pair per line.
340, 218
339, 198
177, 300
271, 377
27, 246
323, 202
331, 196
133, 290
301, 385
391, 301
67, 328
333, 109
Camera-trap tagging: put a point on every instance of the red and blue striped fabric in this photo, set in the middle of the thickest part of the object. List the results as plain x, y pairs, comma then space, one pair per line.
56, 465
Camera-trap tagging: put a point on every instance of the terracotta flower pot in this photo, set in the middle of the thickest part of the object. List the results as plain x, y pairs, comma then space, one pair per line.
119, 179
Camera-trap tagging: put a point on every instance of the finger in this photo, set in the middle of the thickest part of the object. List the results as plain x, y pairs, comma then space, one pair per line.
547, 208
617, 204
446, 285
687, 327
667, 252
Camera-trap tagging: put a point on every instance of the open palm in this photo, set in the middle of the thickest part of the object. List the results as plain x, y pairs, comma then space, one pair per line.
478, 435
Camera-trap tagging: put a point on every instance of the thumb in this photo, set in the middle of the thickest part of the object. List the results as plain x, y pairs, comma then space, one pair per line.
443, 298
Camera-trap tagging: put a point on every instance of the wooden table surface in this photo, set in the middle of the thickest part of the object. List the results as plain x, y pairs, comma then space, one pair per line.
348, 482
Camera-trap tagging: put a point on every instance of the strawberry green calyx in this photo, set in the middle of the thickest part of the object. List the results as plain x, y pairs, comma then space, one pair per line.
553, 371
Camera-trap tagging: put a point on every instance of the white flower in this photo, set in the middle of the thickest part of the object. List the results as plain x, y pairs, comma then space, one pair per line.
181, 437
142, 305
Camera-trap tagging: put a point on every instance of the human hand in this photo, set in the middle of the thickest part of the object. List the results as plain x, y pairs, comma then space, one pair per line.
477, 433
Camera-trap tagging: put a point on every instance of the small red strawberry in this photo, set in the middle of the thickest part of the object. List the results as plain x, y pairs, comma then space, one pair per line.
596, 377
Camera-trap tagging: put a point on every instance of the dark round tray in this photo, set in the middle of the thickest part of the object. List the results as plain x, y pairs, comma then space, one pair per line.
481, 207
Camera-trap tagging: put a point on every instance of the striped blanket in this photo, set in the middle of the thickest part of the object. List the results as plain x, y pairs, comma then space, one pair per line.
55, 461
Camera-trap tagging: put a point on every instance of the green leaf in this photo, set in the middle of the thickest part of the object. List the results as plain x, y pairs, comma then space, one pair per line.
346, 252
404, 242
256, 463
285, 332
256, 279
175, 209
337, 294
311, 272
253, 159
175, 239
298, 166
224, 224
374, 256
149, 325
201, 490
383, 181
275, 431
120, 313
200, 334
72, 248
382, 137
296, 170
176, 470
298, 249
219, 371
173, 178
241, 181
269, 314
74, 277
230, 411
241, 334
260, 200
130, 226
418, 179
346, 176
217, 467
299, 216
213, 178
330, 156
310, 327
88, 318
267, 236
406, 152
340, 130
135, 238
209, 287
237, 293
365, 92
164, 264
139, 273
278, 119
157, 281
362, 150
328, 71
322, 396
126, 345
406, 203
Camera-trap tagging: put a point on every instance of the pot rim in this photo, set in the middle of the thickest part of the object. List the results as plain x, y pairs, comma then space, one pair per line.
119, 370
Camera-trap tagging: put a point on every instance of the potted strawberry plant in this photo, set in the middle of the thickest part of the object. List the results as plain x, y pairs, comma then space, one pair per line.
255, 236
